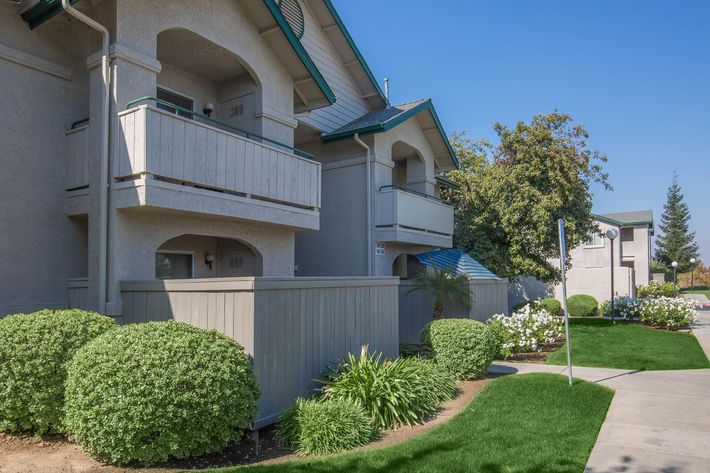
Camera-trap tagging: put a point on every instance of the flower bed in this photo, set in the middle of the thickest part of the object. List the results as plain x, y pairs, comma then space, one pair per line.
530, 329
625, 308
667, 312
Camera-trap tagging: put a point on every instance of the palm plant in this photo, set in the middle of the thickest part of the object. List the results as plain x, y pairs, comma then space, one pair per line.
443, 285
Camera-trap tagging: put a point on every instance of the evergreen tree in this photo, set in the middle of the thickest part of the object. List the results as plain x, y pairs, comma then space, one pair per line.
676, 243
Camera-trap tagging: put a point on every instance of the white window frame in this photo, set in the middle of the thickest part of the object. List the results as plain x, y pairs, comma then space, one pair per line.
177, 92
179, 252
592, 244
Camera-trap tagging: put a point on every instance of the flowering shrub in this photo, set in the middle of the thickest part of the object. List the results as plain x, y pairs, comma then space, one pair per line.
625, 307
655, 289
529, 329
667, 312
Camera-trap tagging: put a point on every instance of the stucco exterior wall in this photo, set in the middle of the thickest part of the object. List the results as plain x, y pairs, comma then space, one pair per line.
639, 250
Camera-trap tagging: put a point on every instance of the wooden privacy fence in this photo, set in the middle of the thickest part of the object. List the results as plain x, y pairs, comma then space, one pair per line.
488, 296
293, 328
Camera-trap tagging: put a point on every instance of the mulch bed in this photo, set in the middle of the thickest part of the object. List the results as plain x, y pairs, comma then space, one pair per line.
536, 356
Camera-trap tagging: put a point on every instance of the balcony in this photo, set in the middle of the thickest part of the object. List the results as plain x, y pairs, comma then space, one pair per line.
407, 216
201, 165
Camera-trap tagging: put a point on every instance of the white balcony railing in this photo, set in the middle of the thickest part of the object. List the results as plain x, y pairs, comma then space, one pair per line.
77, 158
159, 144
402, 208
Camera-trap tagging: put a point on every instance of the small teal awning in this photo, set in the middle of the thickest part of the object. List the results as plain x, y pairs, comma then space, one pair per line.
458, 261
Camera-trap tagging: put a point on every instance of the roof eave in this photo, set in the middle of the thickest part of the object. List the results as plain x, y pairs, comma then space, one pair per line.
43, 12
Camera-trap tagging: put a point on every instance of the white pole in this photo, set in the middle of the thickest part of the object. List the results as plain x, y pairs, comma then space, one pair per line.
563, 263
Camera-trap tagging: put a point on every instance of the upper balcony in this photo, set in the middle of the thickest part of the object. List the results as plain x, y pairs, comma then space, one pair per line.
182, 160
407, 216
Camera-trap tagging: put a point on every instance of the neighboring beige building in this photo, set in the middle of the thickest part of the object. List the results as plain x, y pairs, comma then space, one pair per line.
591, 261
237, 136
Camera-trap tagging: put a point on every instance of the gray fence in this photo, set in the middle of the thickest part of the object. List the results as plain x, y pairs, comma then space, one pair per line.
488, 296
294, 328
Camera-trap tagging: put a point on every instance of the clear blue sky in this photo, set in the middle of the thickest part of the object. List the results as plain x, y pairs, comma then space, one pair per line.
635, 73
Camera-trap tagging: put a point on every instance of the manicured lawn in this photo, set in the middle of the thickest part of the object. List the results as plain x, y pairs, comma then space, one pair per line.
599, 343
697, 291
517, 424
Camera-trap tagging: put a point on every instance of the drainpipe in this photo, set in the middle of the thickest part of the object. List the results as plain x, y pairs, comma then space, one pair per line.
105, 118
368, 199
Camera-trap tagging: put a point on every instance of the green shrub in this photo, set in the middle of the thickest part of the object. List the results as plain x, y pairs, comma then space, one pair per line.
667, 312
582, 305
550, 304
322, 426
394, 392
625, 307
520, 305
530, 329
149, 392
464, 348
34, 352
655, 289
501, 337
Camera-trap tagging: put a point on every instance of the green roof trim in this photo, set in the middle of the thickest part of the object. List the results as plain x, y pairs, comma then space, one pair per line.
44, 10
358, 54
613, 219
300, 50
388, 124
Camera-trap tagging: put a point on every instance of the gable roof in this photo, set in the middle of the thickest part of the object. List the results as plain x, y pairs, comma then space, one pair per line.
457, 261
387, 118
43, 10
636, 217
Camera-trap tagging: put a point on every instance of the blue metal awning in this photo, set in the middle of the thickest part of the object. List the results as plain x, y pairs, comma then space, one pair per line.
458, 261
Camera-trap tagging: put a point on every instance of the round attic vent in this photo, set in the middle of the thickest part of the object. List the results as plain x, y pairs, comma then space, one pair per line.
291, 10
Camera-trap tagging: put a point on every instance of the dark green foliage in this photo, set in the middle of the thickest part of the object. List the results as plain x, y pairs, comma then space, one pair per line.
34, 352
532, 423
149, 392
394, 392
630, 346
511, 195
501, 338
552, 305
520, 305
464, 348
443, 285
321, 426
654, 289
408, 350
676, 242
582, 305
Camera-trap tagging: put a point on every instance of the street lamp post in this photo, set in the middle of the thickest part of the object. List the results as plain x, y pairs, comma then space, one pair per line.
611, 234
675, 269
692, 273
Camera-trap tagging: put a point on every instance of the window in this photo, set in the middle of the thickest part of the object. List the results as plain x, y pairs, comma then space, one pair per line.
177, 99
173, 265
627, 234
594, 240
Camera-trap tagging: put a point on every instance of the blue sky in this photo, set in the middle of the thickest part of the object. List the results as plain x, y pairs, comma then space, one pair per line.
635, 73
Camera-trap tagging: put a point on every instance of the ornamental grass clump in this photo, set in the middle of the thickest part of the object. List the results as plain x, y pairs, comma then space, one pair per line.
34, 352
322, 426
528, 330
400, 391
464, 348
148, 392
667, 312
625, 308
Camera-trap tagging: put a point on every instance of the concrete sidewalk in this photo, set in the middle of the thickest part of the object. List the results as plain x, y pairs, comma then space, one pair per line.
658, 421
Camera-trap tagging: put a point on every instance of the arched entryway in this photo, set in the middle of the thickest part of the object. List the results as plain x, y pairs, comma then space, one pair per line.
406, 266
409, 167
200, 256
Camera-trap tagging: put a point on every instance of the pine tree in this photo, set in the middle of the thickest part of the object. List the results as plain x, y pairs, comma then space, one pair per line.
676, 243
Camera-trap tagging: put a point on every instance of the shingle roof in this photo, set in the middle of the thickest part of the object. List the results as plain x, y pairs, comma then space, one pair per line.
631, 218
376, 118
457, 261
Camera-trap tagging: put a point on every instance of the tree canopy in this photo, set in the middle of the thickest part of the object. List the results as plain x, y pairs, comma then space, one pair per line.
676, 242
510, 196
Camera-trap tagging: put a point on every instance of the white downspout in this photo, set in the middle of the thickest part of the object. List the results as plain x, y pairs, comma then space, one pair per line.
105, 123
368, 200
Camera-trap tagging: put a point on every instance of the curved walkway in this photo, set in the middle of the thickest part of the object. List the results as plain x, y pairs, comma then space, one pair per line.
658, 421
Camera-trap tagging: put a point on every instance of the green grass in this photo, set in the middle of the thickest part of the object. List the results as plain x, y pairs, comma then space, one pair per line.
696, 291
517, 424
599, 343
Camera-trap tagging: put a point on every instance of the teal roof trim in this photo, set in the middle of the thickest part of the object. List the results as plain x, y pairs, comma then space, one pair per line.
392, 122
300, 50
624, 223
351, 42
457, 261
45, 10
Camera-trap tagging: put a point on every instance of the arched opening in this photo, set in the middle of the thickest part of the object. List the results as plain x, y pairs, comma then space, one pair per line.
406, 266
196, 73
409, 168
199, 256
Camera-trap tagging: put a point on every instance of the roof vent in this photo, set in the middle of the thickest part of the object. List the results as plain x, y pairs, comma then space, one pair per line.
291, 10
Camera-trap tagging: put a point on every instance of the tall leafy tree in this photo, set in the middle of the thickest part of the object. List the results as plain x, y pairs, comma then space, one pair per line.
510, 196
676, 242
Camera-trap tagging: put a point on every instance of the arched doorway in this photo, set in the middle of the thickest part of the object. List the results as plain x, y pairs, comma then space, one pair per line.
406, 266
199, 256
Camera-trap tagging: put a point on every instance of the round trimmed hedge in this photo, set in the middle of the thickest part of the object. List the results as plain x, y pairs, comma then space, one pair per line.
462, 347
149, 392
550, 304
582, 305
34, 352
322, 426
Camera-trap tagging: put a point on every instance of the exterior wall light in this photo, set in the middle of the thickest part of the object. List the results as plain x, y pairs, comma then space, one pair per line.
209, 108
209, 259
675, 270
